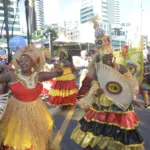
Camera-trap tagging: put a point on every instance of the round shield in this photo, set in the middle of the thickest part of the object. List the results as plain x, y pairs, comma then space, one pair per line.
115, 85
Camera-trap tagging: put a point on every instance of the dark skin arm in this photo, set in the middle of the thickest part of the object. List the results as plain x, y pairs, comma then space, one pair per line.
99, 91
5, 78
44, 76
123, 69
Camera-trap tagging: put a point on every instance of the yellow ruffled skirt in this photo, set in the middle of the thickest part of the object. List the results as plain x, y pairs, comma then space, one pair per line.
85, 139
25, 125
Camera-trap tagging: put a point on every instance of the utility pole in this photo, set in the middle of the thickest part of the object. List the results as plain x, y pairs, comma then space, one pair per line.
5, 4
27, 19
141, 18
15, 19
141, 24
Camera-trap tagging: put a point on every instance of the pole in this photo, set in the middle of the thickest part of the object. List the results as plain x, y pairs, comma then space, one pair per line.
141, 17
5, 3
12, 34
42, 39
50, 45
141, 25
27, 19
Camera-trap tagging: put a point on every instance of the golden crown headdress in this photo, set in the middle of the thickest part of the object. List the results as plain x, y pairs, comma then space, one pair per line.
102, 41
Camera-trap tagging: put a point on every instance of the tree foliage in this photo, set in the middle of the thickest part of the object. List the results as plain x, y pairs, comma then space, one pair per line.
45, 33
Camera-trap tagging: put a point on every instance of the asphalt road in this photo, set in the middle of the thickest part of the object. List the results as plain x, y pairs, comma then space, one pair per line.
66, 120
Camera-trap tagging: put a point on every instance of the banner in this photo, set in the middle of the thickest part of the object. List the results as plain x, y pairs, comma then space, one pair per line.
132, 58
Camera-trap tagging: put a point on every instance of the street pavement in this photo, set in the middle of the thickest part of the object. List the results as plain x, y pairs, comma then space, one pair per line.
66, 120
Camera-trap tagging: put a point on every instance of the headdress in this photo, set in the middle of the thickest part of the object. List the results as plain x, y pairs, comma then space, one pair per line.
102, 41
34, 53
62, 49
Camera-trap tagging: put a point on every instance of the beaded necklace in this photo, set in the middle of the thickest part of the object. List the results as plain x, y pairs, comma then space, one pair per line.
28, 81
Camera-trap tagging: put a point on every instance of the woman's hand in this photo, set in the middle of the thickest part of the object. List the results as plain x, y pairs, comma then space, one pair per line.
58, 66
60, 72
59, 69
99, 92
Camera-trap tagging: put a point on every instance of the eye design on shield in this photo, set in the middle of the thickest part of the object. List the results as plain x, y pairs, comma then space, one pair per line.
114, 87
133, 68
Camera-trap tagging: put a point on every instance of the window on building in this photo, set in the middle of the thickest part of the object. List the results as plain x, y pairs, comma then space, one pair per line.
86, 12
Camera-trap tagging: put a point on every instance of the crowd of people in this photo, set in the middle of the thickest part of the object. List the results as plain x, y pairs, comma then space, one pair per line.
26, 123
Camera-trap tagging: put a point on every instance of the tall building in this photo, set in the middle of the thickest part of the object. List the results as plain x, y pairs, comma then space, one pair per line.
86, 11
12, 9
36, 12
91, 7
113, 12
107, 10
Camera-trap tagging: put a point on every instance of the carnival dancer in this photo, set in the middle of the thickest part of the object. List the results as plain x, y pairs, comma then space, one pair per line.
64, 89
83, 68
106, 124
26, 123
145, 86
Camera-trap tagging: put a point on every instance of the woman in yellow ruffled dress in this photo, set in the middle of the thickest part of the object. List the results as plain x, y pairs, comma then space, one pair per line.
26, 123
105, 124
64, 89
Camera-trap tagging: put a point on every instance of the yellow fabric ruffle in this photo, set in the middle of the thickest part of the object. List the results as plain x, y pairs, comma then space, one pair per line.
67, 76
85, 139
26, 124
104, 100
62, 93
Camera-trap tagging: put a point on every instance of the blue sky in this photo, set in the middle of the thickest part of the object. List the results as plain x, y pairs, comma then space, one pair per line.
59, 10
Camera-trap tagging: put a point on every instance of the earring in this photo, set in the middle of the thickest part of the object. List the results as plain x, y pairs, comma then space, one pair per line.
32, 69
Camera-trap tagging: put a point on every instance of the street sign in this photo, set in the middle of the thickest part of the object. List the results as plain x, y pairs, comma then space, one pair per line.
16, 43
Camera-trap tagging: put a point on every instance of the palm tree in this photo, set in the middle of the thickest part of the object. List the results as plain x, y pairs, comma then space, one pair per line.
48, 30
27, 19
15, 18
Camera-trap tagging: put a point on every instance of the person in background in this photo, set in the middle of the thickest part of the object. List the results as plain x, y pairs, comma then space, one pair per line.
83, 67
145, 86
87, 82
64, 89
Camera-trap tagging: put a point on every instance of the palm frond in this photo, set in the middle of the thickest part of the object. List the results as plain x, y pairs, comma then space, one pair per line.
95, 20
